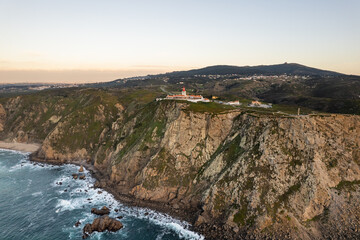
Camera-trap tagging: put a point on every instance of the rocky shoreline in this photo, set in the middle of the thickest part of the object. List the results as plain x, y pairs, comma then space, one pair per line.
210, 231
182, 214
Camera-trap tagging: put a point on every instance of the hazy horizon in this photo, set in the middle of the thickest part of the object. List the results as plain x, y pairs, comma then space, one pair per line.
69, 76
93, 41
73, 76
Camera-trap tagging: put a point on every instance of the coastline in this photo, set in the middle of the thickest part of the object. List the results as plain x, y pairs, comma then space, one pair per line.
45, 182
187, 215
22, 147
181, 214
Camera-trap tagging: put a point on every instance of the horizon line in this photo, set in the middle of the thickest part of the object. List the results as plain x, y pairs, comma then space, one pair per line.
106, 75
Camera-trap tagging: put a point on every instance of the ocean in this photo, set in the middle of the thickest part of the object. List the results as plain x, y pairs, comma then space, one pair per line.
34, 205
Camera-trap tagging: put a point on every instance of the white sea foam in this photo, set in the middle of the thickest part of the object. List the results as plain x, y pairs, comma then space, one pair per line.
26, 164
164, 220
79, 199
29, 182
36, 194
3, 150
64, 180
183, 232
160, 236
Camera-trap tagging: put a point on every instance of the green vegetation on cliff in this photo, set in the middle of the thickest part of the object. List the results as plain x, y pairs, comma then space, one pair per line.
210, 107
236, 167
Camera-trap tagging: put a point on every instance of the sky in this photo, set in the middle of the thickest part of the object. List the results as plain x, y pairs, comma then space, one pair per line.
92, 40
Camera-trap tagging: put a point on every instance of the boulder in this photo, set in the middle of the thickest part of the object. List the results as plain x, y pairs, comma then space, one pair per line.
101, 224
75, 176
97, 184
103, 211
81, 169
82, 177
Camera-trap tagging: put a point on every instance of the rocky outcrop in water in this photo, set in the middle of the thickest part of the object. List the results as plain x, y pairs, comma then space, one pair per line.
103, 211
101, 224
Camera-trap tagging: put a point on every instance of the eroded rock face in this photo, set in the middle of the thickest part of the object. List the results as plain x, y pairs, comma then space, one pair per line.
2, 117
101, 224
251, 173
241, 172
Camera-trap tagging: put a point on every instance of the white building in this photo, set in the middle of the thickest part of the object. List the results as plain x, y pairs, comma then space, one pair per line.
190, 98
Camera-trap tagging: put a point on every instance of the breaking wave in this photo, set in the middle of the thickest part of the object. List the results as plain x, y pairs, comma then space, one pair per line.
69, 200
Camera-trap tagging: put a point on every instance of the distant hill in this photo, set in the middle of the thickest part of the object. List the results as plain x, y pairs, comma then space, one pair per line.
317, 89
278, 69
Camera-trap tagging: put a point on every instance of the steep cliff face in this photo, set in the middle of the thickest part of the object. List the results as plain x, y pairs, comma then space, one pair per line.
258, 174
285, 174
236, 173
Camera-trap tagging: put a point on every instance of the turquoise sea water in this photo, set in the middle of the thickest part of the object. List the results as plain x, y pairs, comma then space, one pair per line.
34, 206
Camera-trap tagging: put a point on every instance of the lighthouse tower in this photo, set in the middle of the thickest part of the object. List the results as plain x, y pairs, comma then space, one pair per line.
183, 92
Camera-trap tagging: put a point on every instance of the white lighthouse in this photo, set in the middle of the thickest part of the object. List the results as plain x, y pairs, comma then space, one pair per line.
183, 92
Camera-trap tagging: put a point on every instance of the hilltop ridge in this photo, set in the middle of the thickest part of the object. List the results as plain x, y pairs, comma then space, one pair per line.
276, 69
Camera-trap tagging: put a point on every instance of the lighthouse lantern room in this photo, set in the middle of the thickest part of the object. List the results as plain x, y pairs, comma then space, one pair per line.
183, 92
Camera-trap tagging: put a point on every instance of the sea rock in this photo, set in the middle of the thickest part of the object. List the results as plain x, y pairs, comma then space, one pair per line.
75, 176
97, 184
78, 223
82, 177
103, 211
81, 169
102, 224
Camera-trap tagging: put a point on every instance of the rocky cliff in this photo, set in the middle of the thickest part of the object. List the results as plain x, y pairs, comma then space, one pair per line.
235, 174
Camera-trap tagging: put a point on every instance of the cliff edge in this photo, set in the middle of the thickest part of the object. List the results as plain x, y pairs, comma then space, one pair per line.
232, 173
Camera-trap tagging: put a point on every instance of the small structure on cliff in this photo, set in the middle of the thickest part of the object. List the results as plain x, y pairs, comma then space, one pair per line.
234, 103
184, 96
260, 105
